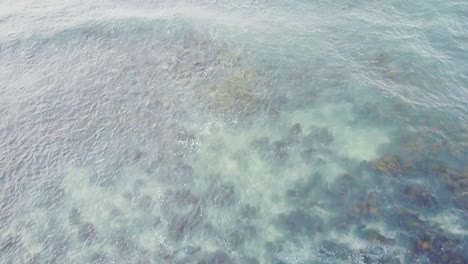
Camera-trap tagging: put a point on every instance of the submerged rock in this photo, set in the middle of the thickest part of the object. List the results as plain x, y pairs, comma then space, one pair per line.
182, 198
249, 260
341, 188
74, 217
217, 257
145, 202
157, 221
248, 213
389, 260
304, 189
138, 155
9, 244
166, 253
298, 222
422, 244
374, 236
280, 150
99, 258
222, 195
439, 248
191, 250
321, 135
295, 130
53, 194
123, 242
293, 136
58, 246
261, 144
87, 232
405, 219
180, 172
181, 226
330, 249
389, 165
419, 196
104, 180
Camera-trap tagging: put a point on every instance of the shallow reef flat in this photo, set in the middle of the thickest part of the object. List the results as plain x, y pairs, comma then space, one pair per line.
238, 132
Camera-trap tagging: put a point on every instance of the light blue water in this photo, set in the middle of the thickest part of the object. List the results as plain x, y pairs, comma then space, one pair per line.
233, 131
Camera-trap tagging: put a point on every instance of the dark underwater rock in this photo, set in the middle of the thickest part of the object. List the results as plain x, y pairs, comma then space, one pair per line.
138, 155
389, 165
124, 243
440, 248
104, 180
182, 168
308, 153
340, 189
9, 244
191, 250
183, 198
59, 246
375, 237
99, 258
247, 214
178, 173
423, 244
188, 254
419, 196
293, 136
87, 232
295, 130
389, 260
236, 238
157, 221
53, 194
280, 150
165, 253
185, 137
320, 135
145, 202
74, 217
217, 257
376, 255
222, 194
303, 190
330, 249
143, 259
405, 219
261, 144
249, 260
180, 226
298, 222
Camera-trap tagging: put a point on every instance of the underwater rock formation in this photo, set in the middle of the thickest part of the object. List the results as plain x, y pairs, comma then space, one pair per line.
216, 257
221, 194
10, 243
334, 250
87, 232
74, 217
299, 222
53, 195
375, 237
320, 135
183, 225
389, 164
419, 196
99, 258
439, 248
234, 95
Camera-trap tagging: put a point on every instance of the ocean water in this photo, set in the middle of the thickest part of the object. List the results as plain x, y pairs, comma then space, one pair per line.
242, 131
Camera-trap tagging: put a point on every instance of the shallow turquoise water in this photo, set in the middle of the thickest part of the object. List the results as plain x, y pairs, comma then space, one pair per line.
233, 131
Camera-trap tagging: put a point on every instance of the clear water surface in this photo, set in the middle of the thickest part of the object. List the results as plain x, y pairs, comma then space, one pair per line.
243, 131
